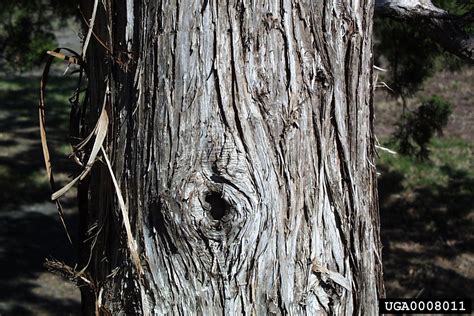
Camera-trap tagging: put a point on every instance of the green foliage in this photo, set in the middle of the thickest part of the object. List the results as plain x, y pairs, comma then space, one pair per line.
411, 55
457, 7
409, 52
445, 153
415, 129
26, 30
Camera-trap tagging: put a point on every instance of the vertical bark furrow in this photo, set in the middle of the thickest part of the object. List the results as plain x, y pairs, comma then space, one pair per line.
242, 140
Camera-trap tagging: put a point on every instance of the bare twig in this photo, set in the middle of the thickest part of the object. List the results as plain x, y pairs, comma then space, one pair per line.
65, 271
91, 27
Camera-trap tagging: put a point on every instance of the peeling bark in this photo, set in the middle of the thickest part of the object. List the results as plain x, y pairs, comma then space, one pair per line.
241, 136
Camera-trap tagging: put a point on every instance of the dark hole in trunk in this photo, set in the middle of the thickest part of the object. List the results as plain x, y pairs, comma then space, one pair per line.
218, 205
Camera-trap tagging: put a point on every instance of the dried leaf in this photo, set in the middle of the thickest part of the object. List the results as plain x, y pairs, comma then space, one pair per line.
132, 245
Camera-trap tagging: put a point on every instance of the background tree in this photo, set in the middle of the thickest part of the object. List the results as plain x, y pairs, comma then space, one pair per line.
415, 129
413, 44
410, 46
26, 30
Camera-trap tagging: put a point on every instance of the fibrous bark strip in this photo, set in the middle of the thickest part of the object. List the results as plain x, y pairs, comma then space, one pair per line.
241, 137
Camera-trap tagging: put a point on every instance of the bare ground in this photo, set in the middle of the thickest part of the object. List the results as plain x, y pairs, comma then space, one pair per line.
30, 230
455, 87
427, 232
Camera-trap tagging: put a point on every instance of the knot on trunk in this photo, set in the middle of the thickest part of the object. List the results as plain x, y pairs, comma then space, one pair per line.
218, 207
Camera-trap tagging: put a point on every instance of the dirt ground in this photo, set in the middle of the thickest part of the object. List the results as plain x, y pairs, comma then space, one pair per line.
456, 87
30, 230
427, 232
416, 263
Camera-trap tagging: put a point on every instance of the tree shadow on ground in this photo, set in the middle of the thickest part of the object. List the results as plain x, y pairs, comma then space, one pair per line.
22, 175
427, 236
26, 240
30, 228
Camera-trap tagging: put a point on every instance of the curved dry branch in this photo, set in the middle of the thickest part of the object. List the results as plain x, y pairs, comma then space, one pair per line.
442, 27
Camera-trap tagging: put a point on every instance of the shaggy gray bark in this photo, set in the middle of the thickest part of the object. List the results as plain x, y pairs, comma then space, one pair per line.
241, 137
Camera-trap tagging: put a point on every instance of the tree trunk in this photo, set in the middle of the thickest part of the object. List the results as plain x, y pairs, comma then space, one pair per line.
241, 138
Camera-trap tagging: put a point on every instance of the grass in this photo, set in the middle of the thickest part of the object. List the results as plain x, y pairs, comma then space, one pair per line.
22, 175
452, 153
427, 216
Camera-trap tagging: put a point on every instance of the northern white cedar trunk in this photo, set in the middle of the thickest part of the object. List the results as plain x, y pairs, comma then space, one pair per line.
241, 137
